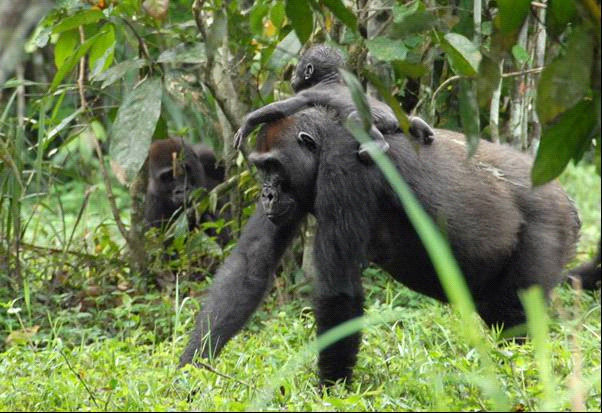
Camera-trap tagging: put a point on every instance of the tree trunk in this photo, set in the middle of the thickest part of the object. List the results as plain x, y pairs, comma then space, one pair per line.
539, 61
518, 95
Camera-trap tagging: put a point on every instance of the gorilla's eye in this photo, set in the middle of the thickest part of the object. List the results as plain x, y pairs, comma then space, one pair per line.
166, 176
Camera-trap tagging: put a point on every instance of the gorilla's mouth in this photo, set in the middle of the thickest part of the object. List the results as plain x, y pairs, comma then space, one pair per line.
280, 216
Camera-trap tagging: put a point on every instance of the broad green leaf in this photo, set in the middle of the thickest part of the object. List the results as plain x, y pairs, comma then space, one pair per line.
287, 49
463, 55
565, 81
358, 96
520, 54
65, 46
81, 18
301, 17
277, 14
512, 14
410, 19
403, 11
256, 16
117, 72
156, 8
102, 51
566, 139
184, 53
407, 69
134, 126
387, 50
487, 80
342, 13
469, 114
562, 11
72, 61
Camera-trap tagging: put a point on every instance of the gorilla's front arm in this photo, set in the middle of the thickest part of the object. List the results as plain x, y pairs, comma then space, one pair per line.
240, 284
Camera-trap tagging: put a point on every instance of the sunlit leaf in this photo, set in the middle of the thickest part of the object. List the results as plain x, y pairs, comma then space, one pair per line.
387, 50
285, 50
566, 80
184, 53
342, 13
410, 19
301, 17
134, 126
102, 51
256, 16
520, 54
72, 61
277, 14
117, 72
81, 18
463, 55
566, 139
65, 45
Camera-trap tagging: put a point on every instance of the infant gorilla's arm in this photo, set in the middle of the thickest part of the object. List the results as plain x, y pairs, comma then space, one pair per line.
337, 97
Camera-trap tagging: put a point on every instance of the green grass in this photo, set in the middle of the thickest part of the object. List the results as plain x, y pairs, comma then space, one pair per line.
119, 350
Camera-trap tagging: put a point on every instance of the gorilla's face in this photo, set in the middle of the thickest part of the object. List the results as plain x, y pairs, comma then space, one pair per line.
288, 166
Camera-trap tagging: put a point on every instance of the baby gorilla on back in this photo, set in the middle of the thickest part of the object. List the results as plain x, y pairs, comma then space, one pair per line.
316, 81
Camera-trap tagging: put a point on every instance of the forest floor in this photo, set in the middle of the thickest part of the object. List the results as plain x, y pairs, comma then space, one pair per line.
121, 353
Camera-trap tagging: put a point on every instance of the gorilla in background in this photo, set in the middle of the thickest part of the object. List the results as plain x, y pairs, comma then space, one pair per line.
505, 235
175, 169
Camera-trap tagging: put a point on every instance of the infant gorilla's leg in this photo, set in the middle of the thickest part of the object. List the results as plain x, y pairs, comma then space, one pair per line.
421, 130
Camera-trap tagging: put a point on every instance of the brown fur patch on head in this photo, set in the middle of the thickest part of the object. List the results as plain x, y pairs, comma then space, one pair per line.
160, 152
272, 133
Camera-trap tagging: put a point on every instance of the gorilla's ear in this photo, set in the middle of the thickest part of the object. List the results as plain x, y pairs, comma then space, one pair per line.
307, 140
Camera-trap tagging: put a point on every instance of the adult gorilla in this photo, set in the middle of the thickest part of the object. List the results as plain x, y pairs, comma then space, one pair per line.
505, 235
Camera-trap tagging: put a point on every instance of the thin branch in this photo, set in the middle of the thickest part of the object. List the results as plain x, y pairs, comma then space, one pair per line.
80, 378
523, 72
444, 84
208, 77
82, 69
141, 41
213, 370
110, 196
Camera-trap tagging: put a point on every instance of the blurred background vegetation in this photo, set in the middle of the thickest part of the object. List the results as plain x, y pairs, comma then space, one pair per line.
87, 85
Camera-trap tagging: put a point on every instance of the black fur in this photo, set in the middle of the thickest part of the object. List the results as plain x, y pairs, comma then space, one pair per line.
505, 235
316, 81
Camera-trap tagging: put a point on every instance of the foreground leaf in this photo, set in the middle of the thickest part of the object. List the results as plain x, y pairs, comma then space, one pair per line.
301, 17
563, 141
564, 82
464, 56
